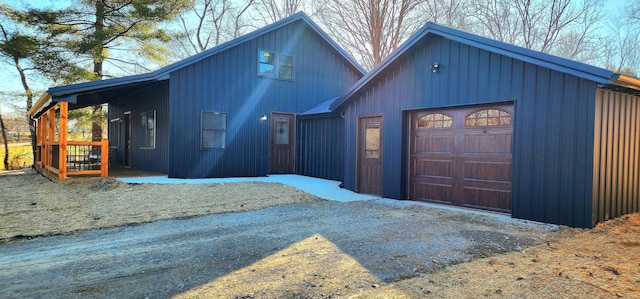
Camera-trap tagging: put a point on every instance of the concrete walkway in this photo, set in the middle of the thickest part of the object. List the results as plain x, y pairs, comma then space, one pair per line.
323, 188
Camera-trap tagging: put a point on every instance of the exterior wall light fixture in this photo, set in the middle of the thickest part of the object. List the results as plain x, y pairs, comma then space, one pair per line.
435, 67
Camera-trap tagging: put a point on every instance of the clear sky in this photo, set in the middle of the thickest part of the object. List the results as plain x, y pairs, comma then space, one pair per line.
10, 81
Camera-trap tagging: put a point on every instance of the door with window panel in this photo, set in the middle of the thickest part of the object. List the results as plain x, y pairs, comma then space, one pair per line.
282, 142
370, 141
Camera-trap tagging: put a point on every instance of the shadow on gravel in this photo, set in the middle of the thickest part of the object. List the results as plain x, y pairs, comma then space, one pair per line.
316, 249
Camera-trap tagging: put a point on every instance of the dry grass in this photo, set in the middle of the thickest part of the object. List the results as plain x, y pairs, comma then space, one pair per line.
31, 205
599, 263
20, 156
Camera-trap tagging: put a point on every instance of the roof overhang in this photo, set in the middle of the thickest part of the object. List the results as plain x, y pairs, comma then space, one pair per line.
89, 93
580, 70
43, 103
626, 81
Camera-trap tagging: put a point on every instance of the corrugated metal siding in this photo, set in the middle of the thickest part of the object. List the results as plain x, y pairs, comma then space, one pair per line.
320, 150
616, 171
154, 97
552, 159
228, 83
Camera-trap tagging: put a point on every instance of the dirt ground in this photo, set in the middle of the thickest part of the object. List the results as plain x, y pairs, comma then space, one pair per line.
599, 263
31, 205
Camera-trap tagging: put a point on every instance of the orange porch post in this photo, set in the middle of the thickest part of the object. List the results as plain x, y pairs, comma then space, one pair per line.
62, 160
104, 160
51, 136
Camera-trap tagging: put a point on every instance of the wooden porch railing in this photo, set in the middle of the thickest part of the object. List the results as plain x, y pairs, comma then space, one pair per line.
64, 157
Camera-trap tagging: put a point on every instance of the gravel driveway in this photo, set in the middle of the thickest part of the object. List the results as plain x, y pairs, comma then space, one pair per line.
389, 240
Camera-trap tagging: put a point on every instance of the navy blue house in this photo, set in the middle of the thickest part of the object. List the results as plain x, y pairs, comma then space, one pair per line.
451, 117
228, 111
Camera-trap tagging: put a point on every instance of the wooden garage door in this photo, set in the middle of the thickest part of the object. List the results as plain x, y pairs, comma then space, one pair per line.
462, 156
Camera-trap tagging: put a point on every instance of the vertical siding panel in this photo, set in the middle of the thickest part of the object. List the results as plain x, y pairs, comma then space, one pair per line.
616, 149
516, 89
482, 77
611, 156
539, 170
554, 154
635, 163
452, 76
567, 163
472, 75
598, 169
624, 171
585, 103
494, 77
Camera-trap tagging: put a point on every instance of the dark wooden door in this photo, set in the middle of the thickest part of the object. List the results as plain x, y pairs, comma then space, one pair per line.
127, 139
462, 156
369, 176
283, 145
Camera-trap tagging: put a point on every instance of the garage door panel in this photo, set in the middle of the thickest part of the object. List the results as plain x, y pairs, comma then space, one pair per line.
487, 144
492, 199
487, 171
442, 193
468, 162
433, 144
432, 168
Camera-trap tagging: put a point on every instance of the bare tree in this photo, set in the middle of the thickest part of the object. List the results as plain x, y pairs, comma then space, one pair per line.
452, 13
539, 24
273, 10
633, 11
211, 22
370, 30
622, 47
496, 19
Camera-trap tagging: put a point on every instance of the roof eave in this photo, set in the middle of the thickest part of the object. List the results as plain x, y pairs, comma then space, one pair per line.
585, 71
625, 81
43, 102
95, 85
165, 71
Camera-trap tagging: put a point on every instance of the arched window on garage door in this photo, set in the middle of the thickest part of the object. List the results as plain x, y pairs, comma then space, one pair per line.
488, 118
434, 120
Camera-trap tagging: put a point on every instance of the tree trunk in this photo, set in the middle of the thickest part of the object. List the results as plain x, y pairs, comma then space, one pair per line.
4, 140
98, 58
27, 91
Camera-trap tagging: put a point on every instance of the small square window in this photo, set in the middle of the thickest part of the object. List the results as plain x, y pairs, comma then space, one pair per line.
275, 65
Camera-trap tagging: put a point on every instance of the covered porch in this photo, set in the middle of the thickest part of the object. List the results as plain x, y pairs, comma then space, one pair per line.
57, 155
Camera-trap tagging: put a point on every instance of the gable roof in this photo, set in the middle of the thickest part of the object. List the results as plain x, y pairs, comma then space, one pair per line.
66, 92
578, 69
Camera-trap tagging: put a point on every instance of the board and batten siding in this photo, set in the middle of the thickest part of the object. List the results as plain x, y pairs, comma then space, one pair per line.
320, 150
553, 123
152, 98
616, 184
227, 82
